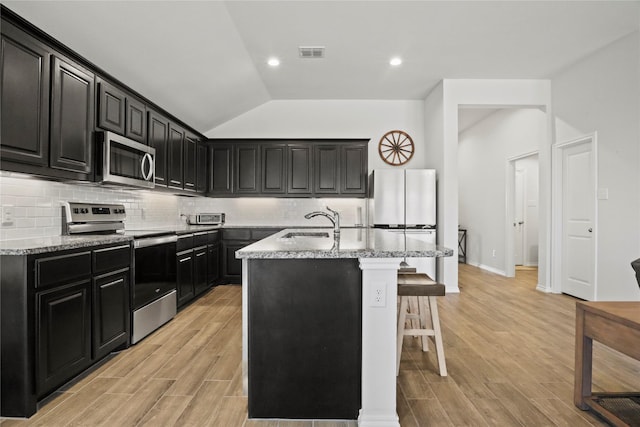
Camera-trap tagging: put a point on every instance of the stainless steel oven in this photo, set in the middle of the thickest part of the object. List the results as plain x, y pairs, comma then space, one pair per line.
154, 289
125, 162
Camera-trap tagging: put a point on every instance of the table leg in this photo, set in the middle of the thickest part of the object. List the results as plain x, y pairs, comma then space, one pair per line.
583, 363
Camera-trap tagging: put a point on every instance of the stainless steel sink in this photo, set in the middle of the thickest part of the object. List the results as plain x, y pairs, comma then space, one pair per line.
305, 234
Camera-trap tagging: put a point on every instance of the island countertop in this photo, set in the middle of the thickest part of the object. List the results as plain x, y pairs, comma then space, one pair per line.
349, 243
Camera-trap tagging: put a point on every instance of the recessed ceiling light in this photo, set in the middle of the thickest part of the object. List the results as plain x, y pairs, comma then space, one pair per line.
395, 61
274, 62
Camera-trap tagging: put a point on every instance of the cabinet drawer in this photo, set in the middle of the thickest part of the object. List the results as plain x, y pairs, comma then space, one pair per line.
213, 237
63, 269
236, 234
200, 239
111, 258
184, 242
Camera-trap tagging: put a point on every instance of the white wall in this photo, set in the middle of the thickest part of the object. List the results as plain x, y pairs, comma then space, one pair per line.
602, 94
369, 119
483, 154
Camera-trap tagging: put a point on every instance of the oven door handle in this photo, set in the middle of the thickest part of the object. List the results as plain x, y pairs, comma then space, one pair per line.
154, 241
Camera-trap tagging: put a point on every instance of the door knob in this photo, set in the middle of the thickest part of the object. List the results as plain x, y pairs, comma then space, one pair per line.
521, 222
590, 229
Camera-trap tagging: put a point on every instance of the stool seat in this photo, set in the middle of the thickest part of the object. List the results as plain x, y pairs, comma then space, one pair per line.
425, 289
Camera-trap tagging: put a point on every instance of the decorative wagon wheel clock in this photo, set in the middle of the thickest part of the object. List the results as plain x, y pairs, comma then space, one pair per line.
396, 148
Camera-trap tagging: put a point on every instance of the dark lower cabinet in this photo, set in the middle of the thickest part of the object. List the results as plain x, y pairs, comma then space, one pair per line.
111, 312
213, 263
60, 313
63, 338
200, 264
304, 338
184, 277
231, 266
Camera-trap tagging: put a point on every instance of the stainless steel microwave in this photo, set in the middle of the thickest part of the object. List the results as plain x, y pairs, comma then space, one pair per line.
125, 162
207, 219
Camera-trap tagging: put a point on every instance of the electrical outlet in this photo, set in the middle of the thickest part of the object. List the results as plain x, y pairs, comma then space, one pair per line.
7, 215
493, 253
379, 296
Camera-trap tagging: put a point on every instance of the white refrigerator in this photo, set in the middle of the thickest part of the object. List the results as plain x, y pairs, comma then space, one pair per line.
404, 200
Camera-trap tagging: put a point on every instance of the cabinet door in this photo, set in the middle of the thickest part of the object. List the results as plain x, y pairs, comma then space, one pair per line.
159, 139
136, 124
326, 169
24, 87
247, 169
110, 312
353, 169
184, 277
176, 156
190, 150
221, 173
274, 170
111, 108
63, 334
213, 264
231, 266
299, 165
72, 119
201, 168
200, 265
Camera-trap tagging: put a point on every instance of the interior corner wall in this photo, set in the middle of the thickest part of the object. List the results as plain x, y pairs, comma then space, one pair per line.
483, 154
369, 119
601, 94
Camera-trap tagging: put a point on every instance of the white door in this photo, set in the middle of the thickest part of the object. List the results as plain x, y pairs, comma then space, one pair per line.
578, 214
518, 222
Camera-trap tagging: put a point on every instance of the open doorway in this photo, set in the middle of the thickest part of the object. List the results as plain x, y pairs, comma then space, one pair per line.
487, 195
522, 213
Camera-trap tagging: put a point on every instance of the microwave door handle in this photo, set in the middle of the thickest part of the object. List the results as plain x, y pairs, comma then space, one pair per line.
146, 175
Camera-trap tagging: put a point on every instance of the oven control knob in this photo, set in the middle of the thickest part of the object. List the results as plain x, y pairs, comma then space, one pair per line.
76, 210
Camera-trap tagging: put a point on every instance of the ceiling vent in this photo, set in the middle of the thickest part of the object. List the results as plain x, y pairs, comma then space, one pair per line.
311, 52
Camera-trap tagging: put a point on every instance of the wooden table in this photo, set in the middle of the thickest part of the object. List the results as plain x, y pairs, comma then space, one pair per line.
614, 324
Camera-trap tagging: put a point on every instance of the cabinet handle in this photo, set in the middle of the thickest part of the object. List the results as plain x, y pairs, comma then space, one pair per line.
185, 259
201, 254
112, 283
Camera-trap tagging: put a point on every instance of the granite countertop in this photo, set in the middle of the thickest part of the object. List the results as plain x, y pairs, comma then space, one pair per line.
351, 243
39, 245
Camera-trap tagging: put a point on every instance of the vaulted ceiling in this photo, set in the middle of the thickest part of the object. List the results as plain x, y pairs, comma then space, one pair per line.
206, 61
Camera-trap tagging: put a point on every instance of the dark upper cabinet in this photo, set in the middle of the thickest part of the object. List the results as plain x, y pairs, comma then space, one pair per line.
190, 152
159, 139
72, 117
326, 169
136, 123
111, 108
274, 168
246, 168
175, 161
353, 179
120, 112
24, 85
299, 169
221, 169
201, 168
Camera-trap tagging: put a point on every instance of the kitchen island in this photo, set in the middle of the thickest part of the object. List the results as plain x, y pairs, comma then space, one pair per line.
319, 323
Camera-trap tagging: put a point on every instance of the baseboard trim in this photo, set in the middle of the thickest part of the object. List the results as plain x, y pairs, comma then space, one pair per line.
488, 268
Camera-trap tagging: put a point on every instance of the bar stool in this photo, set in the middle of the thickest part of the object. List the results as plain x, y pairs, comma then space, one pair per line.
426, 290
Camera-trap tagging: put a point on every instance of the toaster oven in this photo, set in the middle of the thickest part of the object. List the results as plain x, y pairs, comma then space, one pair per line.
206, 219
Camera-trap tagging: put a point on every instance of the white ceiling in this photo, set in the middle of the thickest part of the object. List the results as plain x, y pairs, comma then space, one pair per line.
205, 61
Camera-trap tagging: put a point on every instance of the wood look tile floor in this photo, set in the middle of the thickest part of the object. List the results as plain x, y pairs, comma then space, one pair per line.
509, 352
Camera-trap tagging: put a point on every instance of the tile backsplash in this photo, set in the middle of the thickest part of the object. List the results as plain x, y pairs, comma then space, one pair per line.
35, 207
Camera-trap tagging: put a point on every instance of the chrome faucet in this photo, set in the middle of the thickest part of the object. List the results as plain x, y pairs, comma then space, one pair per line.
335, 219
